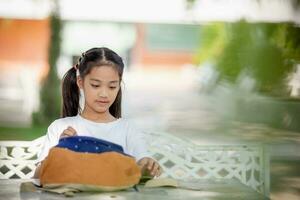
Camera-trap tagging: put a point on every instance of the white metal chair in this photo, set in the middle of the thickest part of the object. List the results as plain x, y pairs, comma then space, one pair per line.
179, 158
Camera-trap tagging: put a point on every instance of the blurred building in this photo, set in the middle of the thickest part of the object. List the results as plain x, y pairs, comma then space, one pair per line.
147, 34
23, 61
24, 41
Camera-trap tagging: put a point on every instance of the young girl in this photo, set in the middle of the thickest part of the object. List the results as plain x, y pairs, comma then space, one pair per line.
98, 74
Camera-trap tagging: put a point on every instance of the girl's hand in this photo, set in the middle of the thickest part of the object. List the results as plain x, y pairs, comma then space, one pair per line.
68, 132
150, 166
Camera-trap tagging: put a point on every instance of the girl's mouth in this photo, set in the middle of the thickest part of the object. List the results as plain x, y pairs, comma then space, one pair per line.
102, 102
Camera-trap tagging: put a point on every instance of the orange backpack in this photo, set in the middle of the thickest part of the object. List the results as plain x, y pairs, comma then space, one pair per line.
80, 163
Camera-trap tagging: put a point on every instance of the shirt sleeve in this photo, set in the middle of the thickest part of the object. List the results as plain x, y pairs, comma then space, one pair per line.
51, 139
136, 143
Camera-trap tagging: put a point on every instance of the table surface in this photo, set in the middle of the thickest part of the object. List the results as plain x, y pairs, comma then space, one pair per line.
228, 189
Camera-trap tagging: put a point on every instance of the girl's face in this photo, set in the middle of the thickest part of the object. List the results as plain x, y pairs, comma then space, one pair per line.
100, 88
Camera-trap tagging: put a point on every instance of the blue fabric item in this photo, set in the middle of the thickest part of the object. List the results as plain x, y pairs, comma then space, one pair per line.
87, 144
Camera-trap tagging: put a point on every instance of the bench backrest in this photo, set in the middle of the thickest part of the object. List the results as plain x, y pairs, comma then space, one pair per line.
18, 158
179, 158
182, 159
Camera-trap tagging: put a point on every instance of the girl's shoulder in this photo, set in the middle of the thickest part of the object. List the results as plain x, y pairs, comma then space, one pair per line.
64, 121
124, 122
130, 125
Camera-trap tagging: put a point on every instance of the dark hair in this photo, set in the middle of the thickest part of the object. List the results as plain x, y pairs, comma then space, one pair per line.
94, 57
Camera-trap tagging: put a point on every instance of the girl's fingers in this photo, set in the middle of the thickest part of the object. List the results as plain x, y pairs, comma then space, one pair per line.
155, 169
150, 164
143, 165
142, 162
71, 129
159, 171
68, 132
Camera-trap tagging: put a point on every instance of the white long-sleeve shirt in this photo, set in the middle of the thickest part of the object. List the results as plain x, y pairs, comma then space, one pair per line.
121, 132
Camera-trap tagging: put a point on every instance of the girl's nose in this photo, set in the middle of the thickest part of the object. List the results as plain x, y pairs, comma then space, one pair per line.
103, 93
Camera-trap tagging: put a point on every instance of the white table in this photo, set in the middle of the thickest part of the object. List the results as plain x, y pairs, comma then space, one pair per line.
227, 189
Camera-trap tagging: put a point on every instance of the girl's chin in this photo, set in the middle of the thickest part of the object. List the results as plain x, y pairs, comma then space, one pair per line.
101, 110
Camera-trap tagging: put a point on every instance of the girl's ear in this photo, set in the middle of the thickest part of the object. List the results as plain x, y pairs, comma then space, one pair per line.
79, 82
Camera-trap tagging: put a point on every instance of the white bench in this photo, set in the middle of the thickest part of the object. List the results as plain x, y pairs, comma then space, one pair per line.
179, 158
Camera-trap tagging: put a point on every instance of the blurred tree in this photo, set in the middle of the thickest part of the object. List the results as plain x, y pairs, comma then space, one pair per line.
212, 43
50, 101
249, 51
265, 51
287, 38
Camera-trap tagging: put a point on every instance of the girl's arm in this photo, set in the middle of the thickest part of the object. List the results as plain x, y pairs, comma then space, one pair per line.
136, 146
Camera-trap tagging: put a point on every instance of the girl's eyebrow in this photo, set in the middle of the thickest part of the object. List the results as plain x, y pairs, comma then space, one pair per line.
114, 81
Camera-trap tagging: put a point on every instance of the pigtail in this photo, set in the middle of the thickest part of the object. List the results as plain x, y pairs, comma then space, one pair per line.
70, 93
115, 108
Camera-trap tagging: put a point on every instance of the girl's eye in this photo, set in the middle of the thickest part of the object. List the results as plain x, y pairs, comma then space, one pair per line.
95, 86
112, 87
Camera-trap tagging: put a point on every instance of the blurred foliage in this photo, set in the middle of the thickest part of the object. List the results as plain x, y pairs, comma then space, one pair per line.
22, 133
212, 43
267, 52
50, 100
287, 38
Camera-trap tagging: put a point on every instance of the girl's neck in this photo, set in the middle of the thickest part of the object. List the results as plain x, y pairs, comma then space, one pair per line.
97, 117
